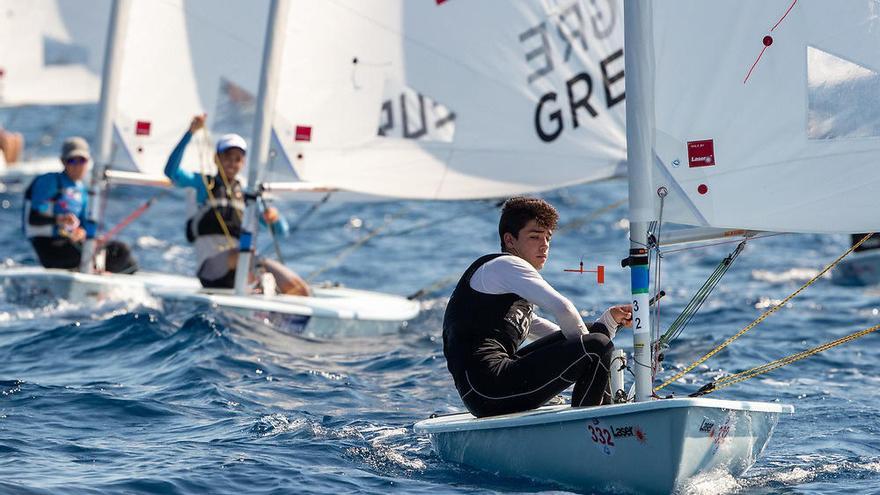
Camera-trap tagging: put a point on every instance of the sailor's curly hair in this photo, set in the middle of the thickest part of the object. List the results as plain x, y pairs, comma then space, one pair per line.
518, 211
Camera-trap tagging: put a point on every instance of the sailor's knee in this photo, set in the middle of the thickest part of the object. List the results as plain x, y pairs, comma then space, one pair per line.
597, 343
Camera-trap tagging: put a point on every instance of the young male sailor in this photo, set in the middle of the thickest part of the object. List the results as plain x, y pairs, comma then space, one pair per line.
216, 226
490, 314
55, 211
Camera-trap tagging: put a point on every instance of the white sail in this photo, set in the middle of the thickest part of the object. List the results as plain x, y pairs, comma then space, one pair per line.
51, 51
181, 59
767, 113
453, 100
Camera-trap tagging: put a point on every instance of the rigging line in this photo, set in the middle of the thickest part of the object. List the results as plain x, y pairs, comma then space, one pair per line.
134, 215
763, 316
308, 213
360, 242
580, 222
430, 223
261, 204
439, 284
204, 152
729, 380
696, 302
658, 258
406, 230
703, 246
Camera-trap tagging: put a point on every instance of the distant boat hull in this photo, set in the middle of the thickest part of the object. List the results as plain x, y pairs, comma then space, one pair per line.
647, 447
330, 312
858, 269
16, 177
37, 286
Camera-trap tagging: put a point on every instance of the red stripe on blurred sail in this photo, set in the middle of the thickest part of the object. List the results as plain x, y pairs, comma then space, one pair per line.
142, 128
303, 133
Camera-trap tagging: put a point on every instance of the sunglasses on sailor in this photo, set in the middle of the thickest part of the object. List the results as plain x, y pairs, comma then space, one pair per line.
76, 160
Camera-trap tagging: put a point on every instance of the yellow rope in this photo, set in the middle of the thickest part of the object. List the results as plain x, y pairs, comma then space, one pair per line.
208, 181
762, 317
729, 380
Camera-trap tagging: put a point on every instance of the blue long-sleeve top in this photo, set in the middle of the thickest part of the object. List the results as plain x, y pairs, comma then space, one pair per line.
71, 197
184, 178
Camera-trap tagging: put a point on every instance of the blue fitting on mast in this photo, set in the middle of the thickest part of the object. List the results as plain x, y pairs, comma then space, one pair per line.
244, 242
639, 279
91, 228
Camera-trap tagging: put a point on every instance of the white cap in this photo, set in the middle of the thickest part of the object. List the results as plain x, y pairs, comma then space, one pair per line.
227, 141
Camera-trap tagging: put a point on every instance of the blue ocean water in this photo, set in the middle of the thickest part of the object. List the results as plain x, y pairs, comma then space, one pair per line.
123, 398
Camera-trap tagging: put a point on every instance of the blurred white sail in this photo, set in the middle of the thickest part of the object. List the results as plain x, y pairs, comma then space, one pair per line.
182, 58
767, 113
453, 99
51, 51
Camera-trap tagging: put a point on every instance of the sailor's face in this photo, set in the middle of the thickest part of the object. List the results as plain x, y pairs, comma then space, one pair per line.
532, 244
231, 161
75, 167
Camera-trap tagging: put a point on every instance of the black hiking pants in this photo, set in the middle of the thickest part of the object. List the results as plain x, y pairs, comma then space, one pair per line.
502, 383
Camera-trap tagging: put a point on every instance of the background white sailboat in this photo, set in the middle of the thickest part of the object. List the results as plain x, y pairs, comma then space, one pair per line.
51, 53
369, 100
36, 284
446, 110
218, 74
176, 59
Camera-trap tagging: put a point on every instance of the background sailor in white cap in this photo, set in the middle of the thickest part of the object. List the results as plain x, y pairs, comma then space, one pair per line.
216, 226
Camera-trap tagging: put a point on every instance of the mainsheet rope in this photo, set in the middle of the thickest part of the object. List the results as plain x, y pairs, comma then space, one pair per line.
729, 380
762, 317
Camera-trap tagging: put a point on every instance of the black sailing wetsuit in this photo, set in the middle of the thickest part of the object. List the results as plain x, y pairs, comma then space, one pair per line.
481, 334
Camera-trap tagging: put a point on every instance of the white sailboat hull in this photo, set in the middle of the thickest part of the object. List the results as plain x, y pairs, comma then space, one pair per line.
16, 177
334, 311
38, 286
646, 447
331, 311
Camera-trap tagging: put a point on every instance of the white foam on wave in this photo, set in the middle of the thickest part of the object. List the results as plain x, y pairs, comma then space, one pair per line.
791, 275
714, 482
150, 242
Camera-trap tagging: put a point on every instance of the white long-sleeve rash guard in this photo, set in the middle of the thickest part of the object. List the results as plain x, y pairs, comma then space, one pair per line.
512, 274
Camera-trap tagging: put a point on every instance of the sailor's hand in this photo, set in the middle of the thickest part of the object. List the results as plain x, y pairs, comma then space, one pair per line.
197, 123
78, 234
67, 220
622, 314
271, 215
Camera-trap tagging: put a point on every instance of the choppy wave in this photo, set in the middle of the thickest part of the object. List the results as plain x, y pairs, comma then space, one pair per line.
123, 398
